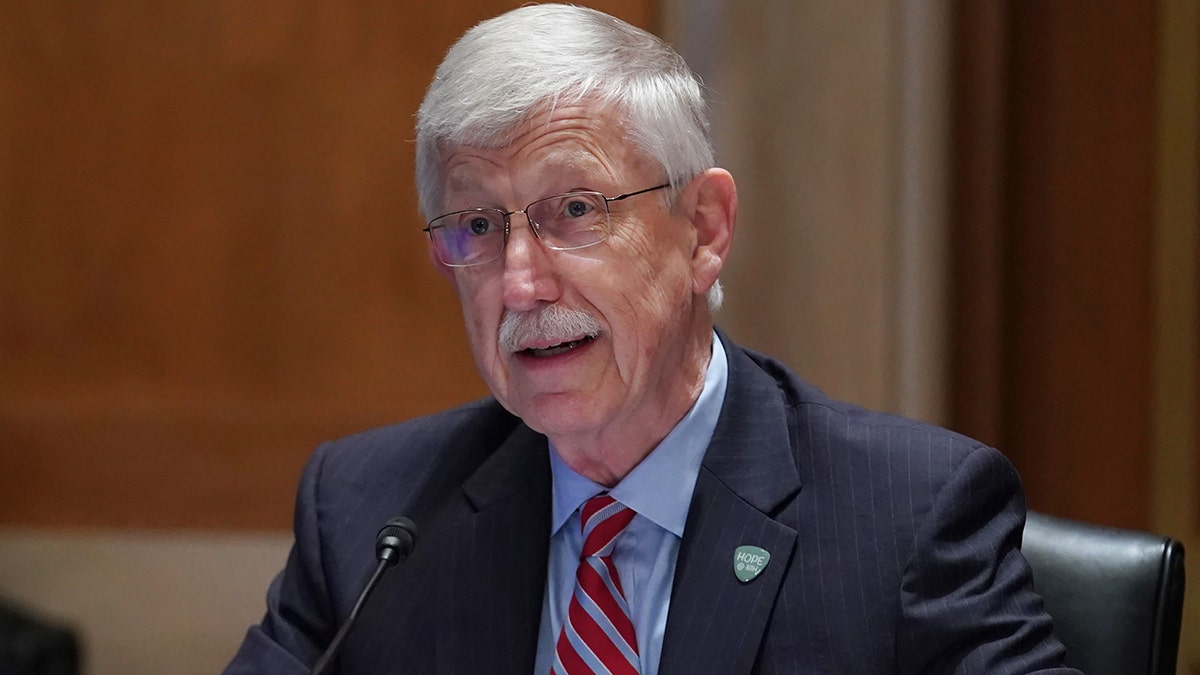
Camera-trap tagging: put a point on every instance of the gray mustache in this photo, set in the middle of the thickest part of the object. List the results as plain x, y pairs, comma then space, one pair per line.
550, 323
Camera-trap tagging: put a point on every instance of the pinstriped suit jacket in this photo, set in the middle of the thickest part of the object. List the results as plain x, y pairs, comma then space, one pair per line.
894, 547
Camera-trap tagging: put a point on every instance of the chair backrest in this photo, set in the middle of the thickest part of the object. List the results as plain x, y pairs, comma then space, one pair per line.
1116, 596
30, 645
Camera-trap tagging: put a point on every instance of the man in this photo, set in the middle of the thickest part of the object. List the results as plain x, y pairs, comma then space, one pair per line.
640, 494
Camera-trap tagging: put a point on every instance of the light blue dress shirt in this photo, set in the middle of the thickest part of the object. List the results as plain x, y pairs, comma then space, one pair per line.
659, 489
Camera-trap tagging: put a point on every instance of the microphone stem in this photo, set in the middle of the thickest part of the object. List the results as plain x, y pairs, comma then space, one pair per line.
325, 664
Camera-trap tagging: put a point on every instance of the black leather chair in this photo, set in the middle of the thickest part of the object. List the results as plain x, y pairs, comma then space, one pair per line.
1116, 595
30, 645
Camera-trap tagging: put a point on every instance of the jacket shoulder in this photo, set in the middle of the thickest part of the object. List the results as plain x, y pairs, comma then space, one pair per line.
409, 464
831, 437
455, 431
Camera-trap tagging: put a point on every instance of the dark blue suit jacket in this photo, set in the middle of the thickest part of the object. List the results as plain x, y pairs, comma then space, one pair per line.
894, 547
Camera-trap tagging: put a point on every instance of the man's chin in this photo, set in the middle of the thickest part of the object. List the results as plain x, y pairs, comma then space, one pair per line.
561, 414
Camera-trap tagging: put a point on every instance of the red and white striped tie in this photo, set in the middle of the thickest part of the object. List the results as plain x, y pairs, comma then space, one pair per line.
597, 636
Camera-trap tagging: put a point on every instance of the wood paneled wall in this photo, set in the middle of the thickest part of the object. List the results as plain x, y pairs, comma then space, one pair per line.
210, 254
1076, 240
1054, 218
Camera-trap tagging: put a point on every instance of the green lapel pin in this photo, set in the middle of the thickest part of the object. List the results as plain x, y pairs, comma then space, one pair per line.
749, 562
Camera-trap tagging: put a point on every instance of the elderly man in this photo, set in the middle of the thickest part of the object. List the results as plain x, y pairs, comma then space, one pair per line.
640, 495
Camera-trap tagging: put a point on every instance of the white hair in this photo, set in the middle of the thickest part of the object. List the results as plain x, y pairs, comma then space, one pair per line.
507, 69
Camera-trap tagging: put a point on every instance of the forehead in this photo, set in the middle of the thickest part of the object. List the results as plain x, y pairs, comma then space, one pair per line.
574, 142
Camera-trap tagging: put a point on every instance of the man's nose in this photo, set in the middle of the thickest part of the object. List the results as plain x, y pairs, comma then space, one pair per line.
529, 273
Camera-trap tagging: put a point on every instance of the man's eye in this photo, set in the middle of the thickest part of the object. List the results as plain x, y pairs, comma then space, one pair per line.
576, 208
479, 225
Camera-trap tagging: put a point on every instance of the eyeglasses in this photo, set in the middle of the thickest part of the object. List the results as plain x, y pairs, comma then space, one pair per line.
563, 222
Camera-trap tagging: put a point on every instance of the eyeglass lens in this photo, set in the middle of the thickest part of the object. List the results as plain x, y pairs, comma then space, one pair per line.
562, 222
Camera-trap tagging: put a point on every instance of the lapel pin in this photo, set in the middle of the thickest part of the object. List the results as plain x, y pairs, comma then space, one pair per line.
749, 562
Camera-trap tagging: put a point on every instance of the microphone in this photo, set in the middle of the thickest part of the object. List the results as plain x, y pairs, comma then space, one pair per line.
395, 542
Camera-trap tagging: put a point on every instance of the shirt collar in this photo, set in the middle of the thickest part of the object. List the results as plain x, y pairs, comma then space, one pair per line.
660, 487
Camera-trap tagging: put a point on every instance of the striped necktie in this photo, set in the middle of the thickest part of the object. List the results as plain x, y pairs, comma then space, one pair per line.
597, 636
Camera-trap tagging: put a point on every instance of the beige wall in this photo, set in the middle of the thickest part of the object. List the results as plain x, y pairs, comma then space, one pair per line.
144, 602
832, 118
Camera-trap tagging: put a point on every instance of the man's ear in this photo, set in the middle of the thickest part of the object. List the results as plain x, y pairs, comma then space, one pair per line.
711, 206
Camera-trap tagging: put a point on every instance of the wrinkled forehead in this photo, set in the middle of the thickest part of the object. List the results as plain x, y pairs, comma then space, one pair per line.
471, 168
579, 143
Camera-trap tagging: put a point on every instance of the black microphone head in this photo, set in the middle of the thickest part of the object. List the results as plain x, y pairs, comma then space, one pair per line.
396, 540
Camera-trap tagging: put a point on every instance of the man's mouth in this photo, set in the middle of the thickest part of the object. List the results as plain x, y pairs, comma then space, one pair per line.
555, 350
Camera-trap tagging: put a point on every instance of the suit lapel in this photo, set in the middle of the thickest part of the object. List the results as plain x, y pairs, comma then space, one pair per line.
716, 622
490, 620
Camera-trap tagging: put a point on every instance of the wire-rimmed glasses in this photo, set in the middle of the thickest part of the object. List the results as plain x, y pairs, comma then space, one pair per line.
563, 222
